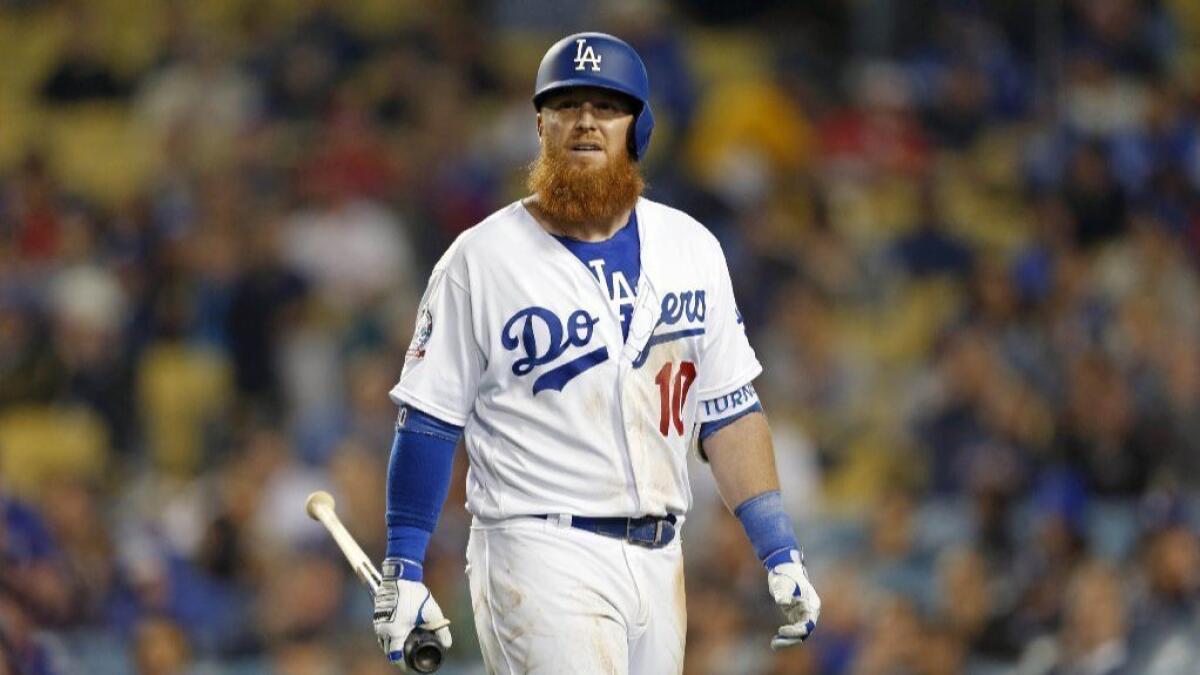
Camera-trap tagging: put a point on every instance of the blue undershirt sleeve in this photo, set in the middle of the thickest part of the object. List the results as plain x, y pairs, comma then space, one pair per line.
418, 481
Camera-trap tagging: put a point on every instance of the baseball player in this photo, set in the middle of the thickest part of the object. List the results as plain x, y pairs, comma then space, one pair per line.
584, 340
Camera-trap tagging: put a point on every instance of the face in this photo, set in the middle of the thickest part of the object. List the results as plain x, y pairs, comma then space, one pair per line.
585, 172
589, 126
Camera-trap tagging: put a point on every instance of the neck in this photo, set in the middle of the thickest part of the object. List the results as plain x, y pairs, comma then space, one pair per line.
597, 230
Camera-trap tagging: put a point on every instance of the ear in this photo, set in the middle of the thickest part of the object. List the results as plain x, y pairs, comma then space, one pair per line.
539, 124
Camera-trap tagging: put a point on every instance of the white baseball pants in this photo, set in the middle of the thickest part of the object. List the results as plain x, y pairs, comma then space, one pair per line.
550, 599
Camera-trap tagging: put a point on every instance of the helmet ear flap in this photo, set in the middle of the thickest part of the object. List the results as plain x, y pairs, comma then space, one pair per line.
642, 126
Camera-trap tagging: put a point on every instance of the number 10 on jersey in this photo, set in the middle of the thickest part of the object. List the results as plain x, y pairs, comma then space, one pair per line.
672, 393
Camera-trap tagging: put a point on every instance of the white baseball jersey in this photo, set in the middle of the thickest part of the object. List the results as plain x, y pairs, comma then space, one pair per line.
521, 344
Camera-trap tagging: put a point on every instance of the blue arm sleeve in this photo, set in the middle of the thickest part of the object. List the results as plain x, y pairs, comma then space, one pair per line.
768, 527
418, 481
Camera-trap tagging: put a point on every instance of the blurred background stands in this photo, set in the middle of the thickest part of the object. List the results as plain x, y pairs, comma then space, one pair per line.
964, 236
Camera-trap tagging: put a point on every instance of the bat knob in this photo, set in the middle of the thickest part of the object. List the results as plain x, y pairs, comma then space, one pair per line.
422, 651
317, 501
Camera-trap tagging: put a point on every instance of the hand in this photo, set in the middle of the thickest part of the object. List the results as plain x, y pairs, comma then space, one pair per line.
402, 605
795, 596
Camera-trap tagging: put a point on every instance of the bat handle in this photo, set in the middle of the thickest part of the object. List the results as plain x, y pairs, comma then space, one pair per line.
369, 576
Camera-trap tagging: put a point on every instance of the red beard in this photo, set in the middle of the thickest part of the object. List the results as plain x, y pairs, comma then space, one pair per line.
573, 194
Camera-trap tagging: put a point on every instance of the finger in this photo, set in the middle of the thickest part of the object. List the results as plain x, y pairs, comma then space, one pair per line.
429, 614
778, 643
797, 630
432, 619
784, 590
393, 655
813, 613
785, 593
789, 636
435, 625
785, 599
443, 635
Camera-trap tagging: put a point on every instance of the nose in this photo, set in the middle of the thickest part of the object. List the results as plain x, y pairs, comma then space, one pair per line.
587, 116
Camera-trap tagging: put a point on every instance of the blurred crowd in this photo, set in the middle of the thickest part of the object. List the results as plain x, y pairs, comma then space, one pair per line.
965, 237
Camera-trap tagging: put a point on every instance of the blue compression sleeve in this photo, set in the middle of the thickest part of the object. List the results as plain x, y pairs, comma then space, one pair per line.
418, 481
709, 428
767, 525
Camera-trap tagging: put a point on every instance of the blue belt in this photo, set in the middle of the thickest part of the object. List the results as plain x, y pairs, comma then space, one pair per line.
647, 531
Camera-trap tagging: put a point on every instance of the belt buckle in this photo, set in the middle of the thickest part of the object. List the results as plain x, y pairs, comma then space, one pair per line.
638, 541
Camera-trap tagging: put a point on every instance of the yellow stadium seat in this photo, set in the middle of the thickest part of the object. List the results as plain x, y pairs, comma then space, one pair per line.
876, 461
749, 115
30, 43
97, 150
905, 331
181, 390
20, 118
42, 443
727, 55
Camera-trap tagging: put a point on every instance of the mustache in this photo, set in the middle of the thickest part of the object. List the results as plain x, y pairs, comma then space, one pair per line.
588, 139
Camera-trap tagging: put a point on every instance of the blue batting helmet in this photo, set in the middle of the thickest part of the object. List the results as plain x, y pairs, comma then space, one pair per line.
599, 60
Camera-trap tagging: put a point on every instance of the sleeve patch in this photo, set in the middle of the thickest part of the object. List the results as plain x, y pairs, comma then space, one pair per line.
728, 405
421, 334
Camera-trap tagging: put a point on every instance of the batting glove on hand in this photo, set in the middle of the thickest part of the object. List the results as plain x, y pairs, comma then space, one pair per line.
795, 596
402, 605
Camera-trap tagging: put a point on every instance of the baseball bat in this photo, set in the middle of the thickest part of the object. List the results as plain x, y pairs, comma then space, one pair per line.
422, 651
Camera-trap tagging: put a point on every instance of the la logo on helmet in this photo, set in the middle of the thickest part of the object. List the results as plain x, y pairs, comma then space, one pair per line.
585, 54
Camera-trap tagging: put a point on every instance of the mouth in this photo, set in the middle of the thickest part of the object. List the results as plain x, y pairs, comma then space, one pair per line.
586, 147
